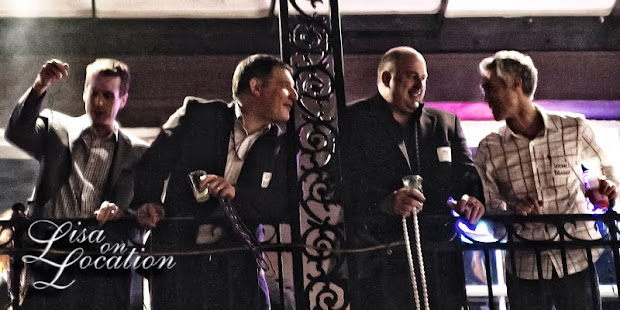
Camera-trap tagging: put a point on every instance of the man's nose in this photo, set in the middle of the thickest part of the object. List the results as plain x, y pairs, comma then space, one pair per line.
293, 95
484, 94
98, 100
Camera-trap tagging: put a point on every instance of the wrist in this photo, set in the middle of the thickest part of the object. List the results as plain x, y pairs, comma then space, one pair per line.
387, 204
39, 89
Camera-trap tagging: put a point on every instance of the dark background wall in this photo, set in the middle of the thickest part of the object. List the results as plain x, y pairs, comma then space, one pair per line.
578, 57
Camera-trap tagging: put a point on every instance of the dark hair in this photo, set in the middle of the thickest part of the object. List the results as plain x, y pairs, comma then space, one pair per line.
255, 66
109, 67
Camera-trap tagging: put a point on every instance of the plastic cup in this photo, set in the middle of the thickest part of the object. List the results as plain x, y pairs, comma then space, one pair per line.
413, 181
196, 177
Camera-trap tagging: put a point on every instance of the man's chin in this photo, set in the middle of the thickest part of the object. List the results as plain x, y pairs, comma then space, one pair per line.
99, 119
101, 122
413, 105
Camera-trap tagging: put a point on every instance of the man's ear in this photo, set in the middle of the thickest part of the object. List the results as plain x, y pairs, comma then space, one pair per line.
517, 83
255, 86
123, 100
85, 94
386, 77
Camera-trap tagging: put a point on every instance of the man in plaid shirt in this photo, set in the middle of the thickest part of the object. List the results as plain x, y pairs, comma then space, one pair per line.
533, 166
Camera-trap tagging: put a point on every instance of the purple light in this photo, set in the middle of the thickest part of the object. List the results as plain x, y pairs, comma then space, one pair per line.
592, 109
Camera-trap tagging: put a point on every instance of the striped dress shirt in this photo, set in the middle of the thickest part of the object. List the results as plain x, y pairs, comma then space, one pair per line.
82, 194
547, 168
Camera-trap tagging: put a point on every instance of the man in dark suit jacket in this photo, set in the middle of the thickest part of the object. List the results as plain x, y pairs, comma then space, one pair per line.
385, 138
86, 171
242, 149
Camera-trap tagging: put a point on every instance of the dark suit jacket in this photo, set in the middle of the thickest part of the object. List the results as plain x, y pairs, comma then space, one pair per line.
373, 166
49, 136
196, 137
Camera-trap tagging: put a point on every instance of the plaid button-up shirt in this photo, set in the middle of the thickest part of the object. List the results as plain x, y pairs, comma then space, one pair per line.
548, 169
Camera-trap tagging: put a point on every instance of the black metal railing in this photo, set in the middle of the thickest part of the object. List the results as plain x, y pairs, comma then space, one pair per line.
485, 247
507, 240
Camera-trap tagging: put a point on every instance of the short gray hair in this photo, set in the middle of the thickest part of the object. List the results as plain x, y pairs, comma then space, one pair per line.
510, 64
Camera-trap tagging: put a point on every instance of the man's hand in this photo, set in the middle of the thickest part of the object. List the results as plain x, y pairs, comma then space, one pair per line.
54, 70
528, 206
607, 189
108, 211
149, 214
218, 186
468, 207
403, 201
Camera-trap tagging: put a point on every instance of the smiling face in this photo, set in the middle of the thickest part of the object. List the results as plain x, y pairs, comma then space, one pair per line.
102, 101
501, 96
405, 83
275, 96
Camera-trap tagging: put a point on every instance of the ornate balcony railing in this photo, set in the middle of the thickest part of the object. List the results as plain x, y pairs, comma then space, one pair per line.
483, 248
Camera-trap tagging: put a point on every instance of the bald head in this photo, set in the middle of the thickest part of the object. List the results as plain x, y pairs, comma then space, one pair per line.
395, 55
401, 81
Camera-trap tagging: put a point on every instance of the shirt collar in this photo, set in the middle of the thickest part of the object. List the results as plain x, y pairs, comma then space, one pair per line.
547, 122
87, 125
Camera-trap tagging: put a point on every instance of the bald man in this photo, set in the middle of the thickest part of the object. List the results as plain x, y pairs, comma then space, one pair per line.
386, 137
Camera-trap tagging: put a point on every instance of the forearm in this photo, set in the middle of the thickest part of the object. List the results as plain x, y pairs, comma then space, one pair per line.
493, 200
151, 175
25, 128
466, 177
154, 168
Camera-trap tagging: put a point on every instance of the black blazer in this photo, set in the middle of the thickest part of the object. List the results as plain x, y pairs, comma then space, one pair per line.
373, 166
196, 137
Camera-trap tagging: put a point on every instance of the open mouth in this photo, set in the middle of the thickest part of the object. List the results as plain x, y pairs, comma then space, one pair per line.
417, 93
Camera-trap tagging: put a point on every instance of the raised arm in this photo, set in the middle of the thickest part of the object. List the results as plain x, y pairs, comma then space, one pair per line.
25, 128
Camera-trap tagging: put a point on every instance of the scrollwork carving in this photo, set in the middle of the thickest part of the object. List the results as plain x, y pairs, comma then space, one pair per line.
311, 55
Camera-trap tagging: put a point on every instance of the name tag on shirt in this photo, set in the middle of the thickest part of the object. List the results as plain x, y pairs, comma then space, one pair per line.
561, 167
444, 154
264, 183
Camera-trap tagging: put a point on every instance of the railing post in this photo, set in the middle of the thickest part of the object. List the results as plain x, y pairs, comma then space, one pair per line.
16, 264
311, 43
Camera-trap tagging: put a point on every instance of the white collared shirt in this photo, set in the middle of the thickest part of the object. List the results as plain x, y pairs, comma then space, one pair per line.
548, 169
239, 144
